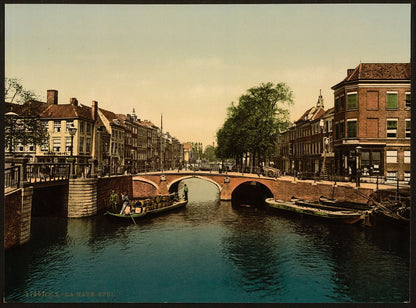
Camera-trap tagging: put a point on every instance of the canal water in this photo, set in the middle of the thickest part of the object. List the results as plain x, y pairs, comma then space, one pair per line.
210, 252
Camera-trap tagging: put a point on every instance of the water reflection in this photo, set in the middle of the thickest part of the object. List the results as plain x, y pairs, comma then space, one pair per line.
211, 251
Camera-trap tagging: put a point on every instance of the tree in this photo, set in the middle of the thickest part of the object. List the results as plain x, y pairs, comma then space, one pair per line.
25, 128
253, 125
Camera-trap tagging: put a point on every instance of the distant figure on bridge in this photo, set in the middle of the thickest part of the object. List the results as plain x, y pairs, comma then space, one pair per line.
114, 201
125, 200
185, 191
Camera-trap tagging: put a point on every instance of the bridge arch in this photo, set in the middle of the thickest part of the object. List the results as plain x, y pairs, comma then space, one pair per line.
251, 192
173, 186
140, 179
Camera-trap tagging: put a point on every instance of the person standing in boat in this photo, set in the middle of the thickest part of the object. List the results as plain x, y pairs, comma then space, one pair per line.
185, 191
113, 201
125, 201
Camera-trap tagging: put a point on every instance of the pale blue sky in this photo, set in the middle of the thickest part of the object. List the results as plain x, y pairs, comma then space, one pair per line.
190, 62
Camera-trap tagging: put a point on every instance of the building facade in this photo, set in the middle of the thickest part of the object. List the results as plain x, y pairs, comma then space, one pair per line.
372, 121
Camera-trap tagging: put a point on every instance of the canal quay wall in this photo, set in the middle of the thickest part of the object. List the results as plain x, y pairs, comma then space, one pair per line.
17, 216
90, 196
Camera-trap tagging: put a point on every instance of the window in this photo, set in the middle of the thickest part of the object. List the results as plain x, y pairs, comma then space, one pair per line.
45, 146
408, 129
391, 176
88, 128
56, 145
342, 103
352, 100
68, 144
351, 128
81, 144
407, 176
391, 128
407, 157
408, 101
81, 127
391, 101
342, 129
336, 131
391, 157
56, 126
69, 124
87, 144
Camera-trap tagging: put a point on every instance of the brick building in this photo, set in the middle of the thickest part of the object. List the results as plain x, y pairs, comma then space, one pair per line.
372, 121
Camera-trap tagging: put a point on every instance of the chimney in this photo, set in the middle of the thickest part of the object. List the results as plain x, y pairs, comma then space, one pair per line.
94, 110
52, 97
73, 101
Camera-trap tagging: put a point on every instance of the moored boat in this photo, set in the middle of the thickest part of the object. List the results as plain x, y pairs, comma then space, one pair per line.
344, 204
396, 218
343, 216
323, 206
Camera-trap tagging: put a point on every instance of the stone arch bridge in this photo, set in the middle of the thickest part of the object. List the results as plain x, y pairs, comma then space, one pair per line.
152, 184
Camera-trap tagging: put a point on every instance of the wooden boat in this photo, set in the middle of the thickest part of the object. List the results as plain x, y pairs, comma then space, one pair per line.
318, 205
344, 216
381, 216
148, 211
344, 204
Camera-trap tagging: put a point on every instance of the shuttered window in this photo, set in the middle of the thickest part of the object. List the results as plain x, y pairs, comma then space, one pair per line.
392, 101
352, 101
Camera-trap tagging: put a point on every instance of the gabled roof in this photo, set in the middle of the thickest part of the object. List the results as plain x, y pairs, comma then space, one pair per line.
111, 116
67, 111
311, 114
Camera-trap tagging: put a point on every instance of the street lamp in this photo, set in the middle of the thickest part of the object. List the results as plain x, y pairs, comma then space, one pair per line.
132, 161
324, 144
72, 131
357, 161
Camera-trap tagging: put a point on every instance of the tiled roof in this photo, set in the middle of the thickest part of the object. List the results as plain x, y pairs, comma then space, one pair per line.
311, 114
67, 111
380, 71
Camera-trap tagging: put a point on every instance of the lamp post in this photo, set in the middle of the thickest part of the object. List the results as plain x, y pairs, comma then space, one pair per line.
357, 161
324, 144
72, 131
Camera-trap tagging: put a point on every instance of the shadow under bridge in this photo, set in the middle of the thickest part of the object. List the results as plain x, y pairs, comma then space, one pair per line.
250, 194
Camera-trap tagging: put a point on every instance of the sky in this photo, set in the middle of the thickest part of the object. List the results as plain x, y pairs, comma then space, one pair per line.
190, 62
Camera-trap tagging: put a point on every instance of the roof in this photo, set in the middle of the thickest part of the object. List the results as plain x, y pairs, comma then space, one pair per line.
311, 114
378, 71
56, 111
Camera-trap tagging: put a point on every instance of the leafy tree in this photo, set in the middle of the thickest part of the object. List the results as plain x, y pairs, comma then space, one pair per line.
25, 128
253, 125
209, 153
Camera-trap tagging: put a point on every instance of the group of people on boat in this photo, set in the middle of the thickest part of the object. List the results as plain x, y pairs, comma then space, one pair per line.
140, 206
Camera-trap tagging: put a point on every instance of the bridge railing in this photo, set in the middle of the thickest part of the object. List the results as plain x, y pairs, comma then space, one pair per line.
12, 177
46, 172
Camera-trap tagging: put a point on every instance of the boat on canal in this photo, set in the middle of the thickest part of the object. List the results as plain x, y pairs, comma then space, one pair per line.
149, 207
342, 216
326, 206
344, 204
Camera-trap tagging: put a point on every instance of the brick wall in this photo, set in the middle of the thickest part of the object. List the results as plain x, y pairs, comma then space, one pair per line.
12, 218
106, 184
